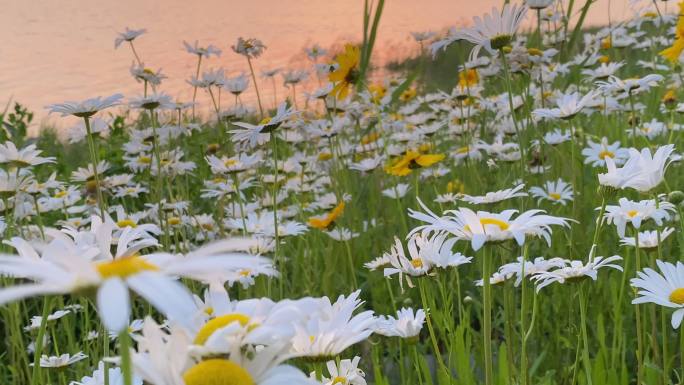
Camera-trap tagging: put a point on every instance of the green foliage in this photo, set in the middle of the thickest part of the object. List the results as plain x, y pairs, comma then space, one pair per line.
14, 125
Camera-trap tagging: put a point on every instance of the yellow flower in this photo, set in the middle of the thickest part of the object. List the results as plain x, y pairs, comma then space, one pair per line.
673, 52
347, 73
606, 43
412, 160
670, 98
370, 138
468, 78
408, 95
328, 220
377, 91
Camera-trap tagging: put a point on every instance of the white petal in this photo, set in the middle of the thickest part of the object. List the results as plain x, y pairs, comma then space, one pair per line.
114, 305
677, 318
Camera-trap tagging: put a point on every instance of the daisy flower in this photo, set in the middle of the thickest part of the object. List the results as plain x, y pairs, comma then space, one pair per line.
628, 86
576, 270
407, 324
496, 196
494, 31
166, 359
152, 101
648, 171
367, 164
334, 330
62, 361
341, 234
555, 192
425, 254
597, 153
198, 50
634, 212
26, 157
98, 377
259, 133
648, 240
567, 106
346, 372
481, 227
531, 267
396, 192
85, 108
664, 289
128, 35
250, 48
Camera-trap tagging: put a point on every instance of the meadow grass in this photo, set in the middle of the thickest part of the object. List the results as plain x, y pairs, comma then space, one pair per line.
577, 331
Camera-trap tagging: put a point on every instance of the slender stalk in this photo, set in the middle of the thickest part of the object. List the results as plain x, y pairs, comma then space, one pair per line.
585, 340
523, 309
431, 330
194, 91
487, 317
125, 352
36, 374
95, 162
256, 88
637, 310
276, 255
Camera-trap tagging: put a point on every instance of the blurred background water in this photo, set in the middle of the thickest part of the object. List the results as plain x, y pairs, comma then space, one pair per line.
57, 50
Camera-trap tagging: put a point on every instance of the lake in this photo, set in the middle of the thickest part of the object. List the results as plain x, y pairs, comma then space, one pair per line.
54, 51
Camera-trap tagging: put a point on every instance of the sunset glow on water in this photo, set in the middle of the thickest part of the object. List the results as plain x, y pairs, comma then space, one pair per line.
62, 50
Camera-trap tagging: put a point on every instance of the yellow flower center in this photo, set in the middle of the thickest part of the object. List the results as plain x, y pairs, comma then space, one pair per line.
677, 296
221, 321
230, 162
534, 52
124, 267
126, 223
207, 226
174, 221
339, 380
493, 221
265, 121
60, 194
632, 213
372, 137
417, 263
217, 371
144, 159
606, 154
555, 196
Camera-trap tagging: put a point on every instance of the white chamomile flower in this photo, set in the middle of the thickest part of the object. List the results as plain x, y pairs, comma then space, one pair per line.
558, 192
648, 240
407, 324
576, 270
64, 360
347, 372
664, 289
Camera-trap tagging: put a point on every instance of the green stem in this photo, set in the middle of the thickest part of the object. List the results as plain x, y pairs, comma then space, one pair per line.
585, 340
125, 352
487, 317
95, 161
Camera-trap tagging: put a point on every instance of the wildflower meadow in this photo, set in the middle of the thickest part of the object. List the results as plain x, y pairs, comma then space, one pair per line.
504, 208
